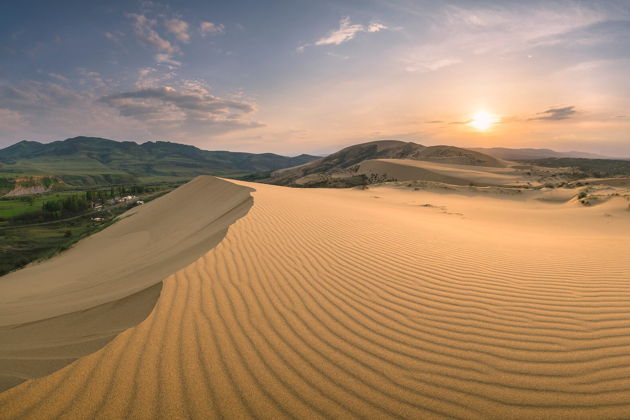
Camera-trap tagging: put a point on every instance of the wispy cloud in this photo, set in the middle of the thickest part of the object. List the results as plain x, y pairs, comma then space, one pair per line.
163, 58
521, 22
179, 28
375, 27
458, 32
340, 56
144, 29
117, 38
424, 66
92, 81
151, 77
346, 31
555, 114
206, 28
34, 95
11, 122
58, 77
41, 110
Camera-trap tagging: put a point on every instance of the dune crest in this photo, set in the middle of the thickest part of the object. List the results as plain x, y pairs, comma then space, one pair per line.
374, 304
56, 311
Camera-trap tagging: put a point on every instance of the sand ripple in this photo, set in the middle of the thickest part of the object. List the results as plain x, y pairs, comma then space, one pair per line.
320, 305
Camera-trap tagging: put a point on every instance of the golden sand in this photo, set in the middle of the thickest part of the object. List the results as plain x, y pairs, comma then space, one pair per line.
383, 303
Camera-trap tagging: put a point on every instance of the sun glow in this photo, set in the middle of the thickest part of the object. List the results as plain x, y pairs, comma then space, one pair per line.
483, 120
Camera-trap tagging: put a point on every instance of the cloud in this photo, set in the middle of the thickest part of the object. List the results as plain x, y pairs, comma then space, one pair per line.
376, 27
151, 77
611, 30
143, 27
33, 95
179, 28
45, 110
10, 121
523, 22
345, 33
457, 33
189, 110
92, 80
555, 114
58, 77
415, 65
162, 58
206, 28
116, 38
339, 56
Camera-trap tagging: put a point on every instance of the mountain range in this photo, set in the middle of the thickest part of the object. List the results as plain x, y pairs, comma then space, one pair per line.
84, 161
92, 160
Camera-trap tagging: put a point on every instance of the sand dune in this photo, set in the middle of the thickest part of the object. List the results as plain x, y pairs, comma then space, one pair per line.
54, 312
406, 169
383, 303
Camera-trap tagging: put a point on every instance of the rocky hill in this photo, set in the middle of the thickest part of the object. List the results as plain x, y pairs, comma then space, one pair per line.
338, 169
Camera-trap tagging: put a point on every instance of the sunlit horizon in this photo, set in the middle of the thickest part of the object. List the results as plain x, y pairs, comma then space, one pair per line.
483, 120
311, 77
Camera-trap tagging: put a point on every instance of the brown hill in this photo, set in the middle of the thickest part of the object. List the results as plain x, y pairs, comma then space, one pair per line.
339, 169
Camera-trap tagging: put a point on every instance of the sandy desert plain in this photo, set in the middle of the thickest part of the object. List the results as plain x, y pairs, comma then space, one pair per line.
417, 299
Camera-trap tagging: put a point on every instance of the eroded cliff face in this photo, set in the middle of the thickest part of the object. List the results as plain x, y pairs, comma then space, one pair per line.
29, 185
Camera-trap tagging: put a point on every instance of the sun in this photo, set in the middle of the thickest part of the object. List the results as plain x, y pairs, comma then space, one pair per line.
483, 120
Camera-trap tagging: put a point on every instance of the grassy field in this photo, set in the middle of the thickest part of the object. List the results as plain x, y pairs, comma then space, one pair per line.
14, 206
23, 244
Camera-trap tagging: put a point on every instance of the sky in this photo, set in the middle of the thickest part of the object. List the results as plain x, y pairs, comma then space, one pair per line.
303, 76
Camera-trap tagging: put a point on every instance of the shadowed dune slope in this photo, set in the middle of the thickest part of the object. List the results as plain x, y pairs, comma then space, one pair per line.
374, 304
57, 311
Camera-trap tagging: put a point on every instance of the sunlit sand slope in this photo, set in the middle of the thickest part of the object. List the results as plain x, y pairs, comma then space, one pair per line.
57, 311
375, 304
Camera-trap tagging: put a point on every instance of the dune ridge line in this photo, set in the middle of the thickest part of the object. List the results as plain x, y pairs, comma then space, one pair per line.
56, 311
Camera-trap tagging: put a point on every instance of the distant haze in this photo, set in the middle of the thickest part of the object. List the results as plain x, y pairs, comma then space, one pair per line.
312, 77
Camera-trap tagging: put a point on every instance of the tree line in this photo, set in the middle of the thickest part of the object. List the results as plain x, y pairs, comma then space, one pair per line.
76, 204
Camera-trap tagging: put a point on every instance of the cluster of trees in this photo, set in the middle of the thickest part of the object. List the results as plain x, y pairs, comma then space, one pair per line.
7, 183
66, 206
120, 191
75, 204
377, 179
56, 208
